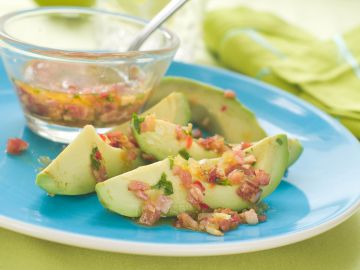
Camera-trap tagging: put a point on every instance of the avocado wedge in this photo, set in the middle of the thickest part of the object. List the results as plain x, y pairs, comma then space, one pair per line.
271, 156
173, 108
295, 150
70, 173
162, 142
211, 110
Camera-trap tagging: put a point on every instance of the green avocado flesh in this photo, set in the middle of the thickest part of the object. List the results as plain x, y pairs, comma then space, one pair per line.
173, 108
271, 156
162, 142
70, 173
211, 110
295, 150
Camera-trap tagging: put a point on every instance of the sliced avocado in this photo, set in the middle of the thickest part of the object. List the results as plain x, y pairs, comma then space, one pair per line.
162, 142
295, 150
211, 110
70, 173
271, 156
173, 108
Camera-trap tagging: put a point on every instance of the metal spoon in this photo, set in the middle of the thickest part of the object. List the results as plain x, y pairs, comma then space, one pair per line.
158, 20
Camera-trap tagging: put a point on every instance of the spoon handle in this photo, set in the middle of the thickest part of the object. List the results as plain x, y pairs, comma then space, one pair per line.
162, 16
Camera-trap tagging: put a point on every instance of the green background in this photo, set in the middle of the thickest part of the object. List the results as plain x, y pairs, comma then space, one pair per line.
338, 248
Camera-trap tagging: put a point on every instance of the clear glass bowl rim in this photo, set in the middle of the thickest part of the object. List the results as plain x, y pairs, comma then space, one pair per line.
46, 52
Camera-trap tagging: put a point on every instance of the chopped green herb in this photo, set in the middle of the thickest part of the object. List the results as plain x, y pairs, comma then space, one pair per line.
222, 182
165, 184
185, 154
137, 121
261, 208
279, 141
76, 96
95, 163
140, 96
171, 161
109, 98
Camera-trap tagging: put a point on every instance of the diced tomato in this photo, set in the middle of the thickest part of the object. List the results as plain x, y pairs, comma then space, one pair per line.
223, 108
203, 206
212, 176
229, 94
189, 141
198, 184
16, 146
245, 145
103, 137
98, 155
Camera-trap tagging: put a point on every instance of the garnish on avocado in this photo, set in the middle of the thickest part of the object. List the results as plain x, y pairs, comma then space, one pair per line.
164, 184
171, 162
222, 182
185, 154
97, 166
137, 121
95, 158
279, 141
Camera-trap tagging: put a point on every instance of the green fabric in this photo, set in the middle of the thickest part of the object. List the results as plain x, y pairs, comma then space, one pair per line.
333, 250
261, 45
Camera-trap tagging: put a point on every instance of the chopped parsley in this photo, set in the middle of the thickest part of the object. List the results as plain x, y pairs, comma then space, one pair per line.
137, 121
222, 182
279, 141
171, 161
76, 96
109, 98
95, 163
185, 154
164, 184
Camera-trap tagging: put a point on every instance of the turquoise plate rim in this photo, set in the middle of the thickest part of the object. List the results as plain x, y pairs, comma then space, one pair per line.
200, 249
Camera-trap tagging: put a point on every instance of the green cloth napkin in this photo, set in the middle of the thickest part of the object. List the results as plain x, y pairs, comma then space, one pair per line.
263, 46
333, 250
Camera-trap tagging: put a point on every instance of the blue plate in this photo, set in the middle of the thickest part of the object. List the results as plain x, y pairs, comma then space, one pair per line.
320, 190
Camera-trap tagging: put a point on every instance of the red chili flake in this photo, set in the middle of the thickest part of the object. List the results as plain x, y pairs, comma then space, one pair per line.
198, 183
103, 95
245, 145
188, 141
229, 94
203, 206
223, 108
103, 137
212, 176
98, 155
16, 146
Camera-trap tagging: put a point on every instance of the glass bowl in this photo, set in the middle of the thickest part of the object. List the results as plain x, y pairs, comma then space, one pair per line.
69, 67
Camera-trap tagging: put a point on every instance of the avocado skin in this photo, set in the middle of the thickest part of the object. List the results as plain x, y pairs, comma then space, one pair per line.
295, 150
173, 108
114, 195
235, 124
